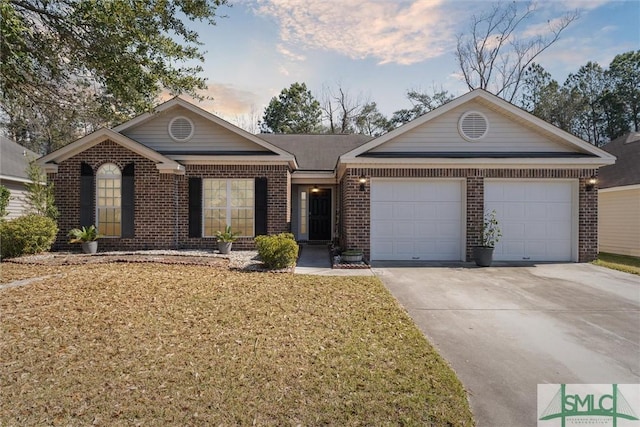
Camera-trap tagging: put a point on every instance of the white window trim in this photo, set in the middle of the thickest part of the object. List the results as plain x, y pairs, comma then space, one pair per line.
228, 207
97, 210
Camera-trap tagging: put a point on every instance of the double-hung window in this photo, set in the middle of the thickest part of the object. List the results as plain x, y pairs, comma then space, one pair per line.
228, 202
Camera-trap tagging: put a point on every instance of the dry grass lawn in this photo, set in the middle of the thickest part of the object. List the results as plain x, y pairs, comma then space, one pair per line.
150, 344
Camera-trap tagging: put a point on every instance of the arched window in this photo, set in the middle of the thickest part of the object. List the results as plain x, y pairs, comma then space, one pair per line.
109, 200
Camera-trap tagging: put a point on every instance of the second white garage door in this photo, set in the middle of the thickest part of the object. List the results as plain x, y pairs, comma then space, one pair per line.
536, 219
416, 219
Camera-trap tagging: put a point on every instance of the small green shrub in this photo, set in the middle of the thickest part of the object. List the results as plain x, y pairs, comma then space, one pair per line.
84, 234
227, 236
277, 251
5, 195
29, 234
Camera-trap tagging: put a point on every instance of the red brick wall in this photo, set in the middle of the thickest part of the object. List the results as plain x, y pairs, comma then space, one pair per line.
161, 200
154, 221
356, 221
355, 215
278, 200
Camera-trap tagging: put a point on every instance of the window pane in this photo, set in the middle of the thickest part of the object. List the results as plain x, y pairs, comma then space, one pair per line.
215, 193
228, 202
242, 221
214, 220
109, 200
303, 212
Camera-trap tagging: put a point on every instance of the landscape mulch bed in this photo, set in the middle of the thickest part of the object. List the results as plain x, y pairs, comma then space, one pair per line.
52, 259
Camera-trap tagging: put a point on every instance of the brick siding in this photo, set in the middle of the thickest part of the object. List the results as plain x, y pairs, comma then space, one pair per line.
356, 215
161, 200
278, 200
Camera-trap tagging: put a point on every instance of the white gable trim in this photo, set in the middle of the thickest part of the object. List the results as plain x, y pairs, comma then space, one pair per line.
15, 179
504, 107
207, 115
164, 164
232, 160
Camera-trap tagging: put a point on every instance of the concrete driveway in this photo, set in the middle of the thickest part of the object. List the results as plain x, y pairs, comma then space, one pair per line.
506, 329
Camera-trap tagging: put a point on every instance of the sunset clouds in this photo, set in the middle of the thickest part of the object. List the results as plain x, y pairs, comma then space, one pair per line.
402, 32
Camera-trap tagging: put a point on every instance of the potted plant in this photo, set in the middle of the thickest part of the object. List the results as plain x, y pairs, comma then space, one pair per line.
490, 235
88, 236
226, 239
352, 255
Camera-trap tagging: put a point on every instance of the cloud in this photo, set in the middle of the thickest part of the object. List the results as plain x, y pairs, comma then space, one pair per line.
402, 32
290, 55
584, 4
222, 99
543, 29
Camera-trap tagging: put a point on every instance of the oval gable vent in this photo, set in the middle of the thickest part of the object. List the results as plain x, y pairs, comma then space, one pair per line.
181, 129
473, 125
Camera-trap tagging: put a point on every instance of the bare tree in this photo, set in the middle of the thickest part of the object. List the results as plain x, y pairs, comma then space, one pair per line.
340, 109
248, 121
494, 57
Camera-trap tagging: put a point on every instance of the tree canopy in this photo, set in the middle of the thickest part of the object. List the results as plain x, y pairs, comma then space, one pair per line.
421, 103
295, 110
110, 57
595, 104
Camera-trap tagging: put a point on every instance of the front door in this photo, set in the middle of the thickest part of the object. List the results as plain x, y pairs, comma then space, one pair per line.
320, 215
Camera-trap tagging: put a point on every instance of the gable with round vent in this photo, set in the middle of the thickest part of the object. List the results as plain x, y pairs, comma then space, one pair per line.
473, 125
181, 129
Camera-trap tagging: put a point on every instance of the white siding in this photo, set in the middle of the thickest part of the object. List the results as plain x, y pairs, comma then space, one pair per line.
17, 206
441, 134
207, 136
619, 222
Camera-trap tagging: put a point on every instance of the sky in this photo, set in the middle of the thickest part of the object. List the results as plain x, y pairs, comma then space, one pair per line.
377, 50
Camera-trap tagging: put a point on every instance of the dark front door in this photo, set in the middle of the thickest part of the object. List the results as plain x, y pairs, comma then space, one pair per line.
320, 215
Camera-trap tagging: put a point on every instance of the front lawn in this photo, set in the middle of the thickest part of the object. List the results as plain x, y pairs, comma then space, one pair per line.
150, 344
626, 263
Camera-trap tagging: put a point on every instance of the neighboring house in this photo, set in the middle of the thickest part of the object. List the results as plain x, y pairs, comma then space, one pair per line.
619, 198
173, 177
14, 160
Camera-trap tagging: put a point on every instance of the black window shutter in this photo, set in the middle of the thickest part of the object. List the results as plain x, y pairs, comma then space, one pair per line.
261, 206
87, 194
128, 201
195, 207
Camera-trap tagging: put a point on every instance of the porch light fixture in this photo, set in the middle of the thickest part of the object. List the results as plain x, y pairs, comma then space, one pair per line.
591, 183
315, 189
363, 181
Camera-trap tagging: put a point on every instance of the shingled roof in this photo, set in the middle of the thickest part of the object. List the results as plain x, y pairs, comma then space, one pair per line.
316, 152
14, 159
626, 170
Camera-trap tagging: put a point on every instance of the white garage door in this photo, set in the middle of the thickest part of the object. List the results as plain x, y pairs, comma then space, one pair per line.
416, 220
536, 219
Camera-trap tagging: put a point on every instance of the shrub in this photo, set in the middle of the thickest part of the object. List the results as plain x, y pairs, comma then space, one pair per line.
40, 194
277, 251
5, 195
29, 234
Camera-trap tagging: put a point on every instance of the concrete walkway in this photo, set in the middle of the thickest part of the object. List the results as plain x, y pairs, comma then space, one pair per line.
315, 260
